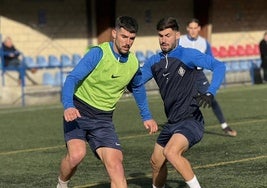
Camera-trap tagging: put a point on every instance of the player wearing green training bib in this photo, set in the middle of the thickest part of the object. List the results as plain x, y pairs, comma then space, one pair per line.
104, 86
89, 96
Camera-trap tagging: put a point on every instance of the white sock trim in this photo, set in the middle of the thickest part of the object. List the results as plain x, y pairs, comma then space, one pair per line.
224, 125
193, 183
63, 184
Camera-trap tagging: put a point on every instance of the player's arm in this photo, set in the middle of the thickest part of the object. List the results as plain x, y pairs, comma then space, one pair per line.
193, 58
80, 71
208, 50
139, 93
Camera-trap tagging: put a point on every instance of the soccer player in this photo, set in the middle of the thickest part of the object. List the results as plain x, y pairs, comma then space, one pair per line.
194, 40
89, 97
174, 70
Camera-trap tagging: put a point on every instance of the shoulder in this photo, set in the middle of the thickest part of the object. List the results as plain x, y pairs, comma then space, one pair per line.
154, 59
202, 39
185, 51
183, 38
186, 54
95, 50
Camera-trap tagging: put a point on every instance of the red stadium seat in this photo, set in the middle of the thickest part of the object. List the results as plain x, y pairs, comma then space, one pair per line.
241, 50
256, 49
249, 50
223, 52
215, 51
232, 51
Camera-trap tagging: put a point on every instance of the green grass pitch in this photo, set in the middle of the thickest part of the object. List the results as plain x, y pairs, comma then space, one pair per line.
31, 145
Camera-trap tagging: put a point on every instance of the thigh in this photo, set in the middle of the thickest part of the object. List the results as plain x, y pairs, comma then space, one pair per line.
192, 130
72, 130
177, 144
109, 155
101, 133
164, 136
76, 147
14, 63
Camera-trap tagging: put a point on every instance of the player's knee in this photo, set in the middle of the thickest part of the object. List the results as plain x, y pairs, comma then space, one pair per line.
170, 154
155, 165
76, 158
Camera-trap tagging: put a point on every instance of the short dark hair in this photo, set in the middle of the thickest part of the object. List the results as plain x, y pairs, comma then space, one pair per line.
128, 23
193, 20
166, 23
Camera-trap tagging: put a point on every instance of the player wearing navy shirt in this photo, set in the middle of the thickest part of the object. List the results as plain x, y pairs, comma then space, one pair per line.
193, 40
174, 70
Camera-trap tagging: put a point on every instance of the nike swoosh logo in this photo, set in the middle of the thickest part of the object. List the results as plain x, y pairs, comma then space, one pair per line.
165, 74
117, 144
204, 83
114, 76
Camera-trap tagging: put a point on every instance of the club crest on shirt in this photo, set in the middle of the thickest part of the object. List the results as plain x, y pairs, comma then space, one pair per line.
181, 71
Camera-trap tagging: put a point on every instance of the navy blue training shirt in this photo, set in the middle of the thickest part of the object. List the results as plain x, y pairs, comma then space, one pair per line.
175, 74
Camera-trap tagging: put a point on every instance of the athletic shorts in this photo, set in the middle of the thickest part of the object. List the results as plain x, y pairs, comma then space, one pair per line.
95, 128
191, 128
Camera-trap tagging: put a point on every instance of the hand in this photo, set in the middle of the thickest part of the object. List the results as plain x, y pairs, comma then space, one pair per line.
204, 99
71, 114
151, 125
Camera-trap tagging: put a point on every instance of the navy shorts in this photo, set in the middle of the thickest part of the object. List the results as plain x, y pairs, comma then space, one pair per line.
191, 128
97, 131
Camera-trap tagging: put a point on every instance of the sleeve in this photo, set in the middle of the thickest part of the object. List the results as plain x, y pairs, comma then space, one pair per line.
85, 66
11, 52
208, 50
139, 93
192, 58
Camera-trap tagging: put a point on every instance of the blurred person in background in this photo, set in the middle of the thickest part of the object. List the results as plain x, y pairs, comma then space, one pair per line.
194, 40
12, 58
263, 54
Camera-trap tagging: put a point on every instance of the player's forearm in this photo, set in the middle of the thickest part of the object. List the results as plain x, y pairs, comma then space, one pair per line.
139, 94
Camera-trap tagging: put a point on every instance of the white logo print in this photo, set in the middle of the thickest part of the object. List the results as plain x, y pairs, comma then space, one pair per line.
181, 71
117, 144
165, 74
204, 83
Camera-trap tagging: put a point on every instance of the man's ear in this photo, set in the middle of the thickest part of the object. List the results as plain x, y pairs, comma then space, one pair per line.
113, 33
177, 35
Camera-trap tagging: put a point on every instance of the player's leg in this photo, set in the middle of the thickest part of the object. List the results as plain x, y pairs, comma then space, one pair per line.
159, 167
217, 111
104, 142
219, 114
174, 151
202, 87
76, 153
185, 134
112, 159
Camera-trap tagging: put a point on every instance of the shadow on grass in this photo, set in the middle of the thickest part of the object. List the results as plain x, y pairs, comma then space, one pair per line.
139, 180
217, 134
